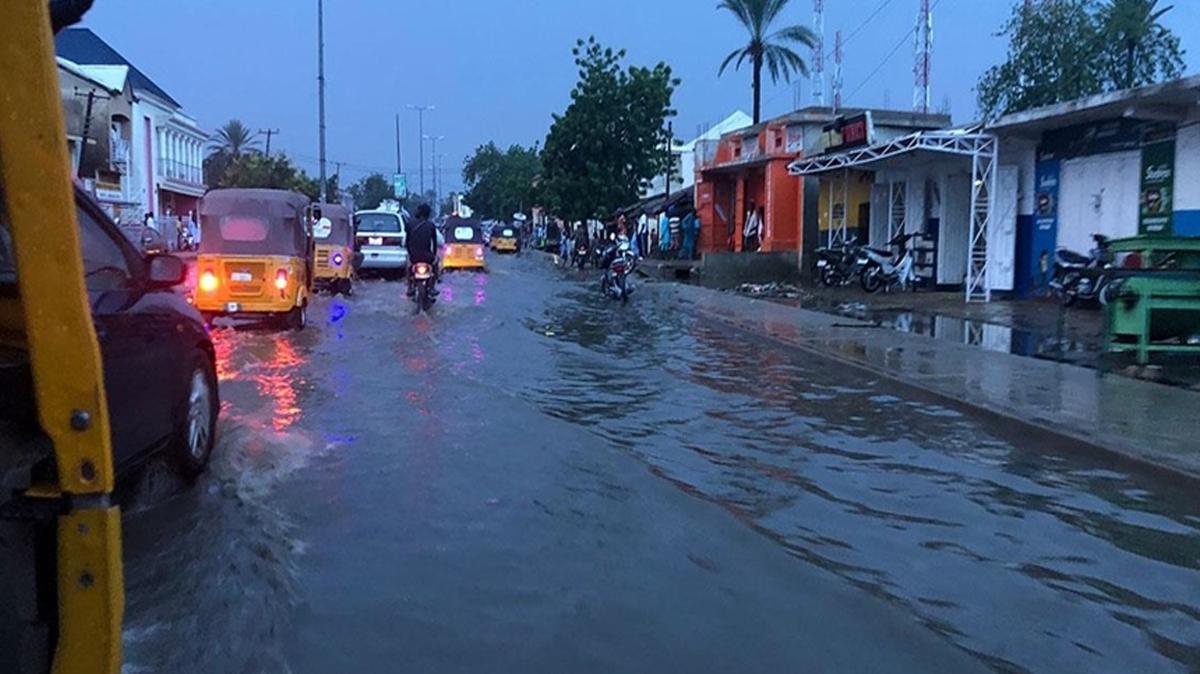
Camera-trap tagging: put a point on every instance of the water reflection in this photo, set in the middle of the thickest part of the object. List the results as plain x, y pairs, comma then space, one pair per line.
1036, 560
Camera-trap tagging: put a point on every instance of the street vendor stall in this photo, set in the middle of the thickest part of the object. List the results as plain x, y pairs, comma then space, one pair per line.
1155, 305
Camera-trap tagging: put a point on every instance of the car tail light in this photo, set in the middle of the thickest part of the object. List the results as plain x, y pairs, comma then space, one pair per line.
281, 278
422, 271
618, 266
208, 281
337, 259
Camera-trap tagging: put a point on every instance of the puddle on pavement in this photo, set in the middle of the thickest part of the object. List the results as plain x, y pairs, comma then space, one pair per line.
1035, 560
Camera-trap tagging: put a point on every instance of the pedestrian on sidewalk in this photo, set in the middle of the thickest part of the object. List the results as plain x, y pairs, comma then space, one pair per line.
691, 228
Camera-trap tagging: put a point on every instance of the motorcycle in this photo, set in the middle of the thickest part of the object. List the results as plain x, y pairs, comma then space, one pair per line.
886, 270
620, 265
1083, 277
838, 266
581, 255
423, 287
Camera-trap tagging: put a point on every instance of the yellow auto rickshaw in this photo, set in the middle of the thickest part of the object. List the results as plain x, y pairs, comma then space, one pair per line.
504, 239
256, 256
334, 256
464, 244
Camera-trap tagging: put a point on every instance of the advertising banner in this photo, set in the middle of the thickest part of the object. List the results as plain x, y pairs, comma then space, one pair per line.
1158, 188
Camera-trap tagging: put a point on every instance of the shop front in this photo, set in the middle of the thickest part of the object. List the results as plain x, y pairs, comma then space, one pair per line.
946, 187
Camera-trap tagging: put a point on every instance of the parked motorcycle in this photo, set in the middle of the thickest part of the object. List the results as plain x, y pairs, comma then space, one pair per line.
423, 287
1083, 277
619, 266
886, 269
839, 266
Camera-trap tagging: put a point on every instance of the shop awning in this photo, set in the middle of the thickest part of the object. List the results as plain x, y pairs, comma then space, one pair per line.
965, 142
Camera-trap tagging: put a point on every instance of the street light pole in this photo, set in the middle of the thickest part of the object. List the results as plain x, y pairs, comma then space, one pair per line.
433, 158
421, 135
321, 86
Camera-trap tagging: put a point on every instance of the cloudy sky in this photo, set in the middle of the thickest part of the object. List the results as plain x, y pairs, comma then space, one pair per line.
497, 69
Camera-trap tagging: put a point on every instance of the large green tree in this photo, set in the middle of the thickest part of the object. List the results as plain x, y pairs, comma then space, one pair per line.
1068, 49
370, 191
500, 183
608, 143
227, 144
766, 47
255, 169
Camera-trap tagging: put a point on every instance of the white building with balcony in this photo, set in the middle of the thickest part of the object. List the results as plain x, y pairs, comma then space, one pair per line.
162, 145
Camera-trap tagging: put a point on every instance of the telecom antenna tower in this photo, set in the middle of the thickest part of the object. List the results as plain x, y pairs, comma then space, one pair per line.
923, 59
818, 57
837, 73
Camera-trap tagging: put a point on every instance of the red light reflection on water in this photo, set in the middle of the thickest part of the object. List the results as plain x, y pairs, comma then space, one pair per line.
278, 383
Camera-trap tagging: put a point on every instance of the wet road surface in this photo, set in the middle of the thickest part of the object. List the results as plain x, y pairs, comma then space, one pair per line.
533, 479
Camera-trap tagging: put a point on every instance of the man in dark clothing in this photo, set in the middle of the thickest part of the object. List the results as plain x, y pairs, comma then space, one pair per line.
421, 242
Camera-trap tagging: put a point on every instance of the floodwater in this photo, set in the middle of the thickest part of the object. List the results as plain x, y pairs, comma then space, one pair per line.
533, 478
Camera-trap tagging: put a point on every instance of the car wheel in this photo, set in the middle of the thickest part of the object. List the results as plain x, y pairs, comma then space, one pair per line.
197, 427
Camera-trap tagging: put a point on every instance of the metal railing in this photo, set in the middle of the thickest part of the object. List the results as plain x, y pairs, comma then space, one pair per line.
177, 170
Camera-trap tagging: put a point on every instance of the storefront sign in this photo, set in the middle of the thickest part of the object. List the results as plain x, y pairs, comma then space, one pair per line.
1045, 207
848, 132
108, 192
1117, 135
1158, 188
400, 186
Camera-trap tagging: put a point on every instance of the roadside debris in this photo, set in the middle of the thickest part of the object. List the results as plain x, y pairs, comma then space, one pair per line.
772, 290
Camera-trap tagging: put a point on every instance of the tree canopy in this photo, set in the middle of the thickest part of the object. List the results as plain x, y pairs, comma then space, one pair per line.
609, 143
500, 183
1067, 49
370, 191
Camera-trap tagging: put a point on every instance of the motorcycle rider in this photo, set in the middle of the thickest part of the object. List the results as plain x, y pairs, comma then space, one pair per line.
422, 245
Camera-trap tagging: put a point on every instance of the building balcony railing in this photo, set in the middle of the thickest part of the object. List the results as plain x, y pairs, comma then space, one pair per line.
177, 170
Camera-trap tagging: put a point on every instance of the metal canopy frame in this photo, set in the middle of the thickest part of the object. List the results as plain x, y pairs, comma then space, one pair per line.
983, 151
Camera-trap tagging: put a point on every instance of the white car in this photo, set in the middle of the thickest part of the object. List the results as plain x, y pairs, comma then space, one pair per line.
380, 237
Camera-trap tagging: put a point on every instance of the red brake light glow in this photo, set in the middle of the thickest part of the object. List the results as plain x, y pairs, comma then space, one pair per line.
281, 279
421, 271
208, 281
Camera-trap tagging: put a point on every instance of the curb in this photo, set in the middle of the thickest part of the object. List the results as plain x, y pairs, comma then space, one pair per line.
997, 414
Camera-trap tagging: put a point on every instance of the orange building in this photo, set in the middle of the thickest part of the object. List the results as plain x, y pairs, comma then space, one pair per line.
742, 173
747, 170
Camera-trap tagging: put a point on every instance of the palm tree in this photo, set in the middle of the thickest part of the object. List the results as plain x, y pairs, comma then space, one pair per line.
233, 139
1133, 26
765, 47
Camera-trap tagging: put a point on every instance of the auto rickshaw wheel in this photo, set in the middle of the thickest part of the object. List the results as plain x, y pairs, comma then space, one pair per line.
297, 318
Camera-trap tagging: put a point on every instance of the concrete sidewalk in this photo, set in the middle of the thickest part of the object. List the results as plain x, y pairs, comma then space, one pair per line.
1142, 422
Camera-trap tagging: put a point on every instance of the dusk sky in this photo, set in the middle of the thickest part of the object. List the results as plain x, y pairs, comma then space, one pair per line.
497, 69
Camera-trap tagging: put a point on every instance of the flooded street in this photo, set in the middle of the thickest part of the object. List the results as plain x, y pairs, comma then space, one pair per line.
534, 479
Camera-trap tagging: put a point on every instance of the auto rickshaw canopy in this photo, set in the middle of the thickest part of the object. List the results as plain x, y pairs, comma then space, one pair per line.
340, 220
253, 222
463, 230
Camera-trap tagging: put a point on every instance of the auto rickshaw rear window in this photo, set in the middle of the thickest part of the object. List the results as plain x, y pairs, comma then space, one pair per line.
243, 228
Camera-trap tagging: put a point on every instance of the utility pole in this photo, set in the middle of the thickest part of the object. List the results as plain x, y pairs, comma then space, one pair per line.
87, 123
818, 53
670, 155
321, 85
269, 132
399, 155
421, 109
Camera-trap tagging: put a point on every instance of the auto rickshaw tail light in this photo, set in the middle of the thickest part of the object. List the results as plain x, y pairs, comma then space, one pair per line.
478, 252
208, 281
337, 259
281, 279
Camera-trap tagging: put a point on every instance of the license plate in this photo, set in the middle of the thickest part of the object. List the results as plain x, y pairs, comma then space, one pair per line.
232, 307
241, 277
375, 241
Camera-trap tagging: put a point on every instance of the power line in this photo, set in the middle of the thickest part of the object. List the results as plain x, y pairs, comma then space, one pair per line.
903, 41
863, 24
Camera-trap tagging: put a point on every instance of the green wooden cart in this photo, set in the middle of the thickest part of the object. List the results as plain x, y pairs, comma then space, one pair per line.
1154, 301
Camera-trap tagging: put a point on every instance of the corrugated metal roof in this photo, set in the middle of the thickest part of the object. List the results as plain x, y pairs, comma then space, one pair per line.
84, 47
